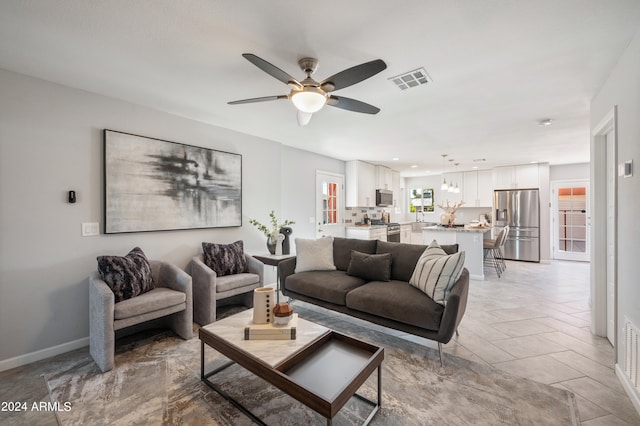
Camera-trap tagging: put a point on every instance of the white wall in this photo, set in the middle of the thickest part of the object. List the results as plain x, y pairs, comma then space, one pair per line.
50, 143
569, 171
622, 88
299, 187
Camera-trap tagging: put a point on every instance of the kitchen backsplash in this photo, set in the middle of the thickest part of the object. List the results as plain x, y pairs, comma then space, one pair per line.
355, 215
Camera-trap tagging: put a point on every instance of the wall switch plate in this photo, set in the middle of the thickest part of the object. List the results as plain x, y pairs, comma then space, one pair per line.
90, 229
312, 219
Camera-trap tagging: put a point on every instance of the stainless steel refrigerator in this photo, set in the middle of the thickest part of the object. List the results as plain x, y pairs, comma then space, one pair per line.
520, 210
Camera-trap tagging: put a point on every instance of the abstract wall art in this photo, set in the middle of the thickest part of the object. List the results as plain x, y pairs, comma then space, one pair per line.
156, 185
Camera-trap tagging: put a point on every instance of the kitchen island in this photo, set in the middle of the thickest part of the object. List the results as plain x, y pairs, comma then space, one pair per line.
469, 240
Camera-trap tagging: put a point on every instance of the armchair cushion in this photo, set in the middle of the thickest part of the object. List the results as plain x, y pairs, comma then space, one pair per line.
232, 282
127, 276
225, 259
157, 299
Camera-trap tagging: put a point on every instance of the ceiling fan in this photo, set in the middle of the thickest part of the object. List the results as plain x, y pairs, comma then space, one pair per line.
308, 95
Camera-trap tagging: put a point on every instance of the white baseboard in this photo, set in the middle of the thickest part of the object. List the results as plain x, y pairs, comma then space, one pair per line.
628, 388
25, 359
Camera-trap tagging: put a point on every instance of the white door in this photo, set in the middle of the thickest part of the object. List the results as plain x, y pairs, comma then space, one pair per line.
570, 201
611, 237
329, 204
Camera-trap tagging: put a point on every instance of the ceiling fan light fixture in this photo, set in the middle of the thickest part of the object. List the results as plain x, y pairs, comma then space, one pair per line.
309, 100
304, 118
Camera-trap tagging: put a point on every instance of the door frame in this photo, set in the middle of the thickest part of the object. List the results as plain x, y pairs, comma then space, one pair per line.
606, 130
555, 185
341, 201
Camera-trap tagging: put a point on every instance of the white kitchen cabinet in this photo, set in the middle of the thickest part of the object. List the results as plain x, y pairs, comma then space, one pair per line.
405, 233
516, 177
527, 176
478, 188
360, 185
485, 188
384, 178
397, 192
367, 233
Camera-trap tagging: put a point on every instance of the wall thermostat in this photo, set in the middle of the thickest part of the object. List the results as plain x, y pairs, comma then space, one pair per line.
628, 168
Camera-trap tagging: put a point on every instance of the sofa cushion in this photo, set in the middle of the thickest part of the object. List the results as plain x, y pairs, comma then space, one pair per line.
153, 300
127, 276
342, 250
314, 255
370, 267
450, 248
436, 272
329, 286
225, 259
232, 282
403, 258
398, 301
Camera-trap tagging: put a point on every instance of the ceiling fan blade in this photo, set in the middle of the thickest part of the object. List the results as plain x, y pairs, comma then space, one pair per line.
262, 99
352, 105
353, 75
271, 69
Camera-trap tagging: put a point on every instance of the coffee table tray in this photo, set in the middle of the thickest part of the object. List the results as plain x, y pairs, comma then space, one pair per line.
330, 370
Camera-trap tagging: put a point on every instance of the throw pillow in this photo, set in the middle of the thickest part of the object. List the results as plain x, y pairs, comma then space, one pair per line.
314, 255
127, 276
370, 267
225, 259
436, 272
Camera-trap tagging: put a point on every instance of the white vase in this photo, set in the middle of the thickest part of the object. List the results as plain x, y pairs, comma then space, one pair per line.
279, 240
264, 299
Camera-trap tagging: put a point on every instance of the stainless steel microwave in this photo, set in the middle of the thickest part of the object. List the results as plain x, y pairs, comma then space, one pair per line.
384, 198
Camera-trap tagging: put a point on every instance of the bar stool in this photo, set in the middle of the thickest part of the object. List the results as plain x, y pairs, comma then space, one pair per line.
493, 251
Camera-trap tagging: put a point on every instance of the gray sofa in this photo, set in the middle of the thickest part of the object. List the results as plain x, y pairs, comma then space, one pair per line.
395, 304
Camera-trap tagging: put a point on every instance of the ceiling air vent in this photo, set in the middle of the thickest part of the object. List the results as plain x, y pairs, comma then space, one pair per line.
411, 79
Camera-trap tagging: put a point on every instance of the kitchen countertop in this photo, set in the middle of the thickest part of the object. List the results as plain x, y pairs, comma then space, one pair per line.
439, 228
366, 226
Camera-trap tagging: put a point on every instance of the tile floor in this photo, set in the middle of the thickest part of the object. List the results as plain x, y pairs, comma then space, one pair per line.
534, 322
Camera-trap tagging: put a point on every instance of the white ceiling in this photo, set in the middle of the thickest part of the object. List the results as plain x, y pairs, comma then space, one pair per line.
498, 66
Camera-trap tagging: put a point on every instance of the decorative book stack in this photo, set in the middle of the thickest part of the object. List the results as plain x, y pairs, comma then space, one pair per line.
272, 332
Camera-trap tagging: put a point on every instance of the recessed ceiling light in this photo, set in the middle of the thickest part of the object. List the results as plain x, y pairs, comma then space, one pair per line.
413, 166
533, 162
395, 158
474, 167
545, 122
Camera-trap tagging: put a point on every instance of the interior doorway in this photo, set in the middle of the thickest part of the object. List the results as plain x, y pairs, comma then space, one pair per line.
329, 204
603, 210
570, 204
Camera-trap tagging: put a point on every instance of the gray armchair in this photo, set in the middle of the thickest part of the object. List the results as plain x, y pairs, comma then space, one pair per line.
210, 290
171, 299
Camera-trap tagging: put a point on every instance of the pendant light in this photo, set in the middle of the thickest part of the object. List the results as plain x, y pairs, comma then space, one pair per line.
444, 186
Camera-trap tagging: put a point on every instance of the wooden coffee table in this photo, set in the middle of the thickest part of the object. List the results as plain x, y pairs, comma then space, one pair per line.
321, 368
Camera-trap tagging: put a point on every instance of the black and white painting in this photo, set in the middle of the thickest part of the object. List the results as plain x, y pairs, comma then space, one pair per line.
154, 185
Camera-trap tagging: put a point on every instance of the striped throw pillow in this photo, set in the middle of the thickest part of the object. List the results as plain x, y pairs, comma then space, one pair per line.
436, 272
